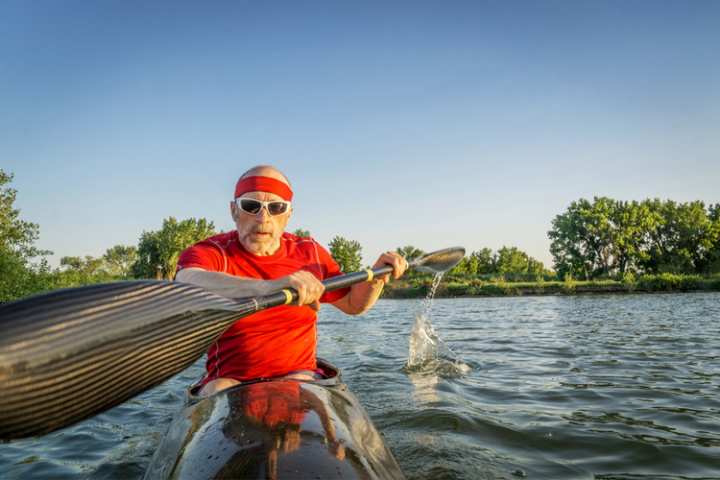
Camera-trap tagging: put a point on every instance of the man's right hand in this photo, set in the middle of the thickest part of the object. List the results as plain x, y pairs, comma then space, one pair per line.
309, 288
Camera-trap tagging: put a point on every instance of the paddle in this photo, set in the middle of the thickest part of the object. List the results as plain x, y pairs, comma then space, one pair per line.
70, 354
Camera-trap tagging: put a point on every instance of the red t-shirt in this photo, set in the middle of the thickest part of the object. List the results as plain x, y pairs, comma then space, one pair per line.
275, 341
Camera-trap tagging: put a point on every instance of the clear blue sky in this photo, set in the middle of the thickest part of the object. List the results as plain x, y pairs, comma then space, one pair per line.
425, 123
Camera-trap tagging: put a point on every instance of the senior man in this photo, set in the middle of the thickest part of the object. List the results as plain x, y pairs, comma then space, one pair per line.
259, 258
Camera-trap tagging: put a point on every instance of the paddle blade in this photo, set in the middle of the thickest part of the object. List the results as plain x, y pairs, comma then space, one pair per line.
439, 261
70, 354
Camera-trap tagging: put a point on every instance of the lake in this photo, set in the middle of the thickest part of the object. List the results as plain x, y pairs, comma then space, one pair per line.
606, 387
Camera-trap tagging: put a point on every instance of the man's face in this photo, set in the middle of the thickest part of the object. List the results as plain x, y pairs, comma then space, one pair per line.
259, 234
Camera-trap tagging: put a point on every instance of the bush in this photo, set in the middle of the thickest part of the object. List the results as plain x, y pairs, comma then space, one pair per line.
668, 282
569, 283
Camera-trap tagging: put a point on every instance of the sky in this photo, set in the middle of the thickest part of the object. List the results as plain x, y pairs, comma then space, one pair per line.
430, 124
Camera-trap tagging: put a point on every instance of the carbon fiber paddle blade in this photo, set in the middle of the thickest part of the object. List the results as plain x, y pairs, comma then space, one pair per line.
440, 261
70, 354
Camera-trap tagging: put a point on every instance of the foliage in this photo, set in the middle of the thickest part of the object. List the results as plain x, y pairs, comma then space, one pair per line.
158, 251
409, 252
347, 253
76, 271
118, 260
19, 276
509, 263
607, 238
668, 282
471, 286
301, 233
17, 236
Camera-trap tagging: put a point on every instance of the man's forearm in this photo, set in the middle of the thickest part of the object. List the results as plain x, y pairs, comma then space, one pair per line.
363, 296
228, 285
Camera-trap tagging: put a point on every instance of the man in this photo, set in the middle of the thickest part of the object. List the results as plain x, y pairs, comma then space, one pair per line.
259, 258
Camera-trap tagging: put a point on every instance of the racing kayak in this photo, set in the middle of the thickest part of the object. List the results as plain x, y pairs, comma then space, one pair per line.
275, 428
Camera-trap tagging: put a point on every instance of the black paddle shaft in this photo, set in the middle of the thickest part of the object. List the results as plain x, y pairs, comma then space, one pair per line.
290, 295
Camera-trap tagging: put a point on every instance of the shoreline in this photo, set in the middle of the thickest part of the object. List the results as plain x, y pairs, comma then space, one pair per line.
453, 289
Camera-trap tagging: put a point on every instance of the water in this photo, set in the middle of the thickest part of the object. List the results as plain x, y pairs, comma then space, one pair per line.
606, 387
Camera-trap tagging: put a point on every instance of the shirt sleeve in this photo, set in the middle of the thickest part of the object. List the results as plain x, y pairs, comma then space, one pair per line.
330, 269
203, 255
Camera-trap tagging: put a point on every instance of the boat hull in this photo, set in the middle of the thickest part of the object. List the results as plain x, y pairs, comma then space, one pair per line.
282, 428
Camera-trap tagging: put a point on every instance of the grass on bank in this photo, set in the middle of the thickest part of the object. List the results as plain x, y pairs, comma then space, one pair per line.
466, 287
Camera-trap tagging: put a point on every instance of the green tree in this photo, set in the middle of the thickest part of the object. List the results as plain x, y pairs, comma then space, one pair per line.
485, 261
512, 263
682, 239
301, 233
76, 271
119, 260
713, 264
19, 276
535, 269
347, 253
158, 251
581, 238
409, 252
631, 222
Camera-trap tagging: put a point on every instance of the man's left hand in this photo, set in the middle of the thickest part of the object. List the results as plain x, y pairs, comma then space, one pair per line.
396, 261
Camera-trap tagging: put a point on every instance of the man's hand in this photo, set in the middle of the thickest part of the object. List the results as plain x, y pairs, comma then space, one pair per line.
396, 261
309, 288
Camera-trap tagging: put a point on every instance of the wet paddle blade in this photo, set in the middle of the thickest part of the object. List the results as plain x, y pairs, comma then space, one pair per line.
70, 354
440, 261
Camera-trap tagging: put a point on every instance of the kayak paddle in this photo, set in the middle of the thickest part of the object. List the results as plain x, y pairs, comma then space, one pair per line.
70, 354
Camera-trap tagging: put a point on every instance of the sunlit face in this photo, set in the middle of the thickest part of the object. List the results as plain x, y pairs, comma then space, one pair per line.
260, 234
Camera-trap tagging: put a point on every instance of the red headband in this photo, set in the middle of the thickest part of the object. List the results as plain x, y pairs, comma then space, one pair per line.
263, 184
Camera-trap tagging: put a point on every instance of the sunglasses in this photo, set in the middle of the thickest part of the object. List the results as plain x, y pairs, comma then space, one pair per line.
253, 207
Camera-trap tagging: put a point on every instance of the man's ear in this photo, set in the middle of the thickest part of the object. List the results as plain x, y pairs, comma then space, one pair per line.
233, 211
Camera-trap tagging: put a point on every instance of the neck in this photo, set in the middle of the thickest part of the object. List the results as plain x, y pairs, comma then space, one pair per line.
261, 250
266, 251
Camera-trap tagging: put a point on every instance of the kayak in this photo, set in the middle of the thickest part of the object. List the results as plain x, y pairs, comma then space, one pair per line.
275, 428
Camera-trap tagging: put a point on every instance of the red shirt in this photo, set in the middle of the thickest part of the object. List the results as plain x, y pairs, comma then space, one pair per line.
275, 341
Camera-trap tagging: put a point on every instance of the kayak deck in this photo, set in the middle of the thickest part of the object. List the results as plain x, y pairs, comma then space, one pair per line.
280, 428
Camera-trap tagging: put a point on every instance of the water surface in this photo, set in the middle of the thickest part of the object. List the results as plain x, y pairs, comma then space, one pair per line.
607, 387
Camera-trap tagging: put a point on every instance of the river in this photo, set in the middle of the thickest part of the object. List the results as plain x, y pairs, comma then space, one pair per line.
606, 387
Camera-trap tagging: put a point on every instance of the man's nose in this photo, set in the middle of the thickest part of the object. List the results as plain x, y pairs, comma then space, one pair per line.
263, 214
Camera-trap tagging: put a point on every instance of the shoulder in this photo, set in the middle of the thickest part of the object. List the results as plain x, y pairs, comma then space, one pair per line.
221, 240
301, 244
209, 254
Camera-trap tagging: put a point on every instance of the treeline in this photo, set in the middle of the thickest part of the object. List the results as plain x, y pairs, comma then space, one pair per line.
630, 242
609, 238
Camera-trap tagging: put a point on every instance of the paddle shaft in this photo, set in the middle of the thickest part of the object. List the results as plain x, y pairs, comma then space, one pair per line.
289, 295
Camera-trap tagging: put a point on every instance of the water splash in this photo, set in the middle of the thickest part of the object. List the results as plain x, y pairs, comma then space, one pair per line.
427, 352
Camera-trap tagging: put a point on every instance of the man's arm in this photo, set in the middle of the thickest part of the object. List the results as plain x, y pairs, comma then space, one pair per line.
308, 287
362, 296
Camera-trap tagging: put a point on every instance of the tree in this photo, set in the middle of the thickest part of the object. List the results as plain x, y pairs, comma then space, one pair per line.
119, 260
16, 236
713, 265
347, 253
582, 238
485, 261
302, 233
158, 251
75, 271
18, 275
511, 263
682, 239
409, 252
